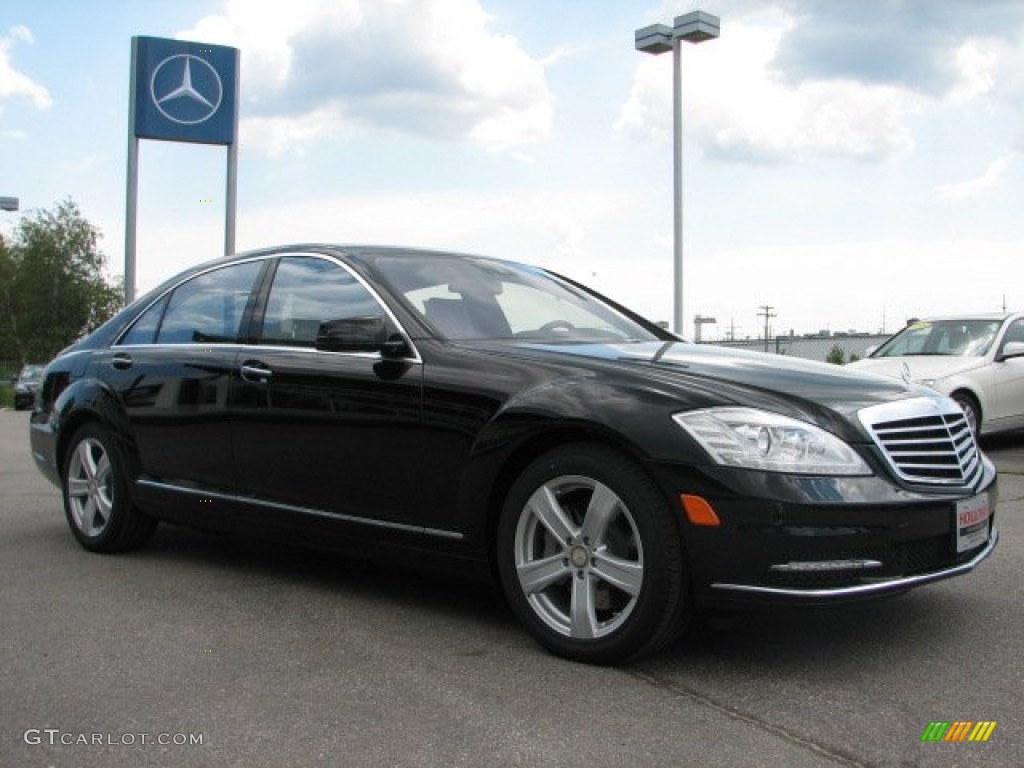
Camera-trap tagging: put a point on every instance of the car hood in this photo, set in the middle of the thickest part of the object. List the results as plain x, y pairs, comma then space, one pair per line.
707, 375
920, 367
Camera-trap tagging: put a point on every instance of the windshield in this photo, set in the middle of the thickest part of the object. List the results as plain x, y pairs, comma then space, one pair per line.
31, 373
958, 338
464, 297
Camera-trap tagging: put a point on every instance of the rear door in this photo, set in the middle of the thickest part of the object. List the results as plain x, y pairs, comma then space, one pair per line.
172, 373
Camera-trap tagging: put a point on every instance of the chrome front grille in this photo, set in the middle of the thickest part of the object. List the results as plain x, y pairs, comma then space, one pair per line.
925, 440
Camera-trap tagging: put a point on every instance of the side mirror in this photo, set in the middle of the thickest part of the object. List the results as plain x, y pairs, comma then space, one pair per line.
360, 334
1011, 349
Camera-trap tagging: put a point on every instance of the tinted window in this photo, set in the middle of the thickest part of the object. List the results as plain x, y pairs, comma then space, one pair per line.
145, 328
209, 308
308, 291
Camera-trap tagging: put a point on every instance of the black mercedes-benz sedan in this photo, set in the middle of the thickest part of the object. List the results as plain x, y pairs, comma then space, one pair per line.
445, 409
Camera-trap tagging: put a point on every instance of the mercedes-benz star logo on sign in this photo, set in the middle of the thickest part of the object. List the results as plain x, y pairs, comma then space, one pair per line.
186, 89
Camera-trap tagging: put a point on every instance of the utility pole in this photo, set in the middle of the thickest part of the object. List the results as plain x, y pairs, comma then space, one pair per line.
768, 313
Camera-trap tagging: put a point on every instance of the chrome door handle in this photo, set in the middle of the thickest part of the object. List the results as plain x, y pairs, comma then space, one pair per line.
255, 373
121, 361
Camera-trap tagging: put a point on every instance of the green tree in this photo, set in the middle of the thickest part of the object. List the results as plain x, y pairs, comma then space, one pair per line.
53, 284
836, 355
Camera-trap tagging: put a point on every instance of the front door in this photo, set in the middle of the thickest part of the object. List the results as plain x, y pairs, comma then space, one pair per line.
327, 433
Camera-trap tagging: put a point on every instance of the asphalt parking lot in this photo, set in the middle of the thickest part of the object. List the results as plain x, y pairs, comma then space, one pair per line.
273, 657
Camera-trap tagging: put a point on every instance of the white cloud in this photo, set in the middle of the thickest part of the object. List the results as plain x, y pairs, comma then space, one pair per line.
424, 67
976, 62
15, 83
558, 228
739, 108
965, 190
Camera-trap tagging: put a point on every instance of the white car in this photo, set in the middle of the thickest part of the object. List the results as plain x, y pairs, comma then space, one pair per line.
978, 360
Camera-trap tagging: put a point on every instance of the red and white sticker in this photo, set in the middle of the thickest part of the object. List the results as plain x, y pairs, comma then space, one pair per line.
972, 517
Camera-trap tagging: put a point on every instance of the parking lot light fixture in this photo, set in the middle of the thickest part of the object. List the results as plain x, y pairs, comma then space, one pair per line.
8, 204
694, 27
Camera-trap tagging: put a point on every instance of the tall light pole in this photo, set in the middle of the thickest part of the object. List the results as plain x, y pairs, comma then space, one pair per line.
695, 27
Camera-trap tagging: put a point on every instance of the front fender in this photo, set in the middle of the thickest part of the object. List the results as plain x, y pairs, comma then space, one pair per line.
963, 384
631, 418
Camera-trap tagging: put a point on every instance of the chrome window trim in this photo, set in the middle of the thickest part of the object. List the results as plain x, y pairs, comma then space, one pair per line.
338, 516
272, 347
414, 359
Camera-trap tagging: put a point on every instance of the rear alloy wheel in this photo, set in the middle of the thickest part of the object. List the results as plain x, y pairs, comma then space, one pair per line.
96, 500
590, 558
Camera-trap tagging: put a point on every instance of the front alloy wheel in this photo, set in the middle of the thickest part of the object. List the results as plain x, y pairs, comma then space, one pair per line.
589, 556
578, 557
970, 408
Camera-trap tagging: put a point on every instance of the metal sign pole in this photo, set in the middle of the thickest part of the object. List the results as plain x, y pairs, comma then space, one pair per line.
132, 189
230, 199
131, 219
231, 192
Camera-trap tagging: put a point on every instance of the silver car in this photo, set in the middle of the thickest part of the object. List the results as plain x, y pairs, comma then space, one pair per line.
978, 360
25, 385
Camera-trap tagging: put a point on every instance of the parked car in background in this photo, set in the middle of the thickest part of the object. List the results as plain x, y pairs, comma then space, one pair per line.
25, 385
500, 420
978, 360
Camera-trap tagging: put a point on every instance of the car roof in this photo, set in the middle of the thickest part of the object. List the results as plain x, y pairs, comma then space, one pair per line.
967, 316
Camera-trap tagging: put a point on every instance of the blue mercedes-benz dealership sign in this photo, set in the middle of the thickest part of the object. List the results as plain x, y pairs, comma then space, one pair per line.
185, 91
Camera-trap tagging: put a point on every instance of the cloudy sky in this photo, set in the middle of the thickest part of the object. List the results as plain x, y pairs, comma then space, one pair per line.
847, 162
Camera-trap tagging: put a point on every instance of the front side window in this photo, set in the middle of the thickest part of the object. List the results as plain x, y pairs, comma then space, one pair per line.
1015, 332
307, 292
208, 309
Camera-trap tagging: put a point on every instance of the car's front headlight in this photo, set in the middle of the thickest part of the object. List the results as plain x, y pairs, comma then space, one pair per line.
754, 439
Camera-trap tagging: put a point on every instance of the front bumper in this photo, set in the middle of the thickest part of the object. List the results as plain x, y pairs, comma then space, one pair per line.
801, 539
24, 398
867, 588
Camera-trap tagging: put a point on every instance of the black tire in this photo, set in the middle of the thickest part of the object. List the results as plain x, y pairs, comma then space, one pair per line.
596, 540
970, 408
97, 503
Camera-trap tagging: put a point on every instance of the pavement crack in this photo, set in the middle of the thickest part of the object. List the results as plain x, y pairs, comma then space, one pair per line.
682, 691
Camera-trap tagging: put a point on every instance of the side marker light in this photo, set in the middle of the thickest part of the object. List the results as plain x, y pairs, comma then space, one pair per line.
698, 510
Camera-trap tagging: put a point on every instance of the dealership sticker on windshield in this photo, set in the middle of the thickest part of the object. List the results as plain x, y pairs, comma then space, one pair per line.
972, 522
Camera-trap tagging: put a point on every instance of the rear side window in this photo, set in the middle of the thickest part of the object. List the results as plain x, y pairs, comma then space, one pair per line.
208, 309
145, 328
308, 291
